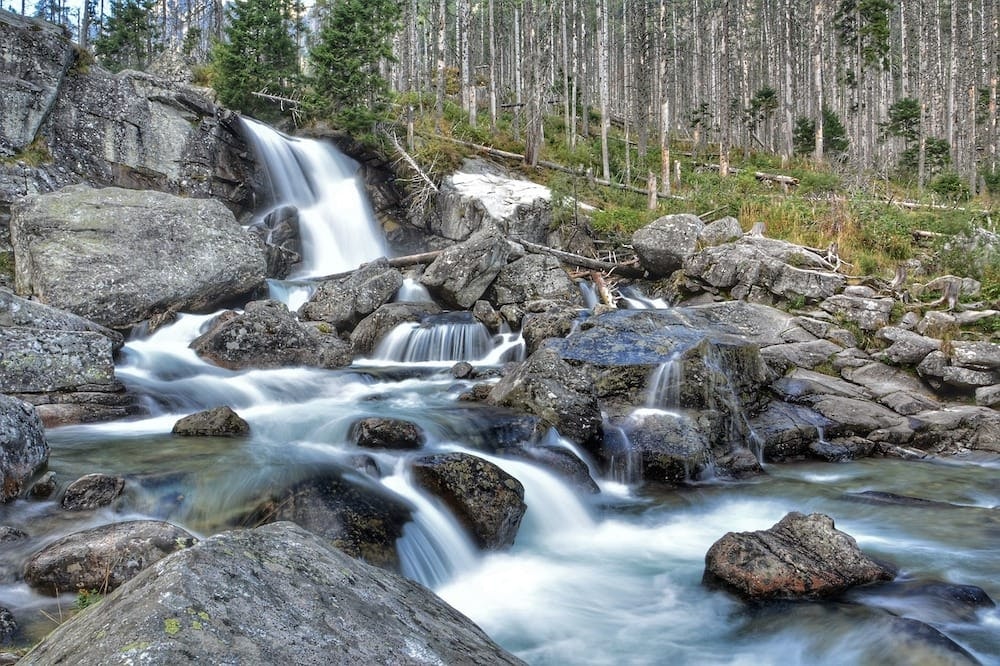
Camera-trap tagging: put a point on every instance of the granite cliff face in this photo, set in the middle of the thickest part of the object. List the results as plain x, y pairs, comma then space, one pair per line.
65, 120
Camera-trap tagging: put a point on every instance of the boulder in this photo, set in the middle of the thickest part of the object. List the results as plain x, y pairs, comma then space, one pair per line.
24, 450
723, 230
276, 594
386, 433
121, 256
664, 244
278, 229
533, 277
8, 626
850, 416
955, 429
60, 362
560, 394
556, 321
781, 269
870, 314
23, 313
483, 196
981, 355
800, 557
668, 447
129, 129
806, 355
92, 492
41, 361
267, 335
219, 422
487, 501
786, 431
358, 516
460, 275
104, 557
988, 396
937, 371
370, 330
808, 387
343, 303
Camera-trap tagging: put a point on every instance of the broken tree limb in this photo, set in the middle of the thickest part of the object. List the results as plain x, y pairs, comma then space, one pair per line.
395, 262
408, 159
603, 293
627, 269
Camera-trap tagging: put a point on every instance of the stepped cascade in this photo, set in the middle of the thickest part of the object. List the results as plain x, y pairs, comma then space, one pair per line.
605, 575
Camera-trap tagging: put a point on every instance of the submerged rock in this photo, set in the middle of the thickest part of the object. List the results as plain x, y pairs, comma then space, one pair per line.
219, 422
104, 557
487, 501
276, 594
92, 492
386, 433
359, 516
24, 450
800, 557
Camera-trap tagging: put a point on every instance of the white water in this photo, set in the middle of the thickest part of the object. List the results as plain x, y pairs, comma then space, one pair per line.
336, 221
606, 579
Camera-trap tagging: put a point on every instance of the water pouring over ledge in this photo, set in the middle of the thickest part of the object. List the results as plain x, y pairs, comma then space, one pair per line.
590, 579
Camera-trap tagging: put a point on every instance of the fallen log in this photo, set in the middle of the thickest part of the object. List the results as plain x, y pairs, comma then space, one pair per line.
395, 262
627, 269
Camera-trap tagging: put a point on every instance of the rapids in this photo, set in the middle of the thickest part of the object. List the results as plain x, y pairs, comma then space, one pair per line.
611, 578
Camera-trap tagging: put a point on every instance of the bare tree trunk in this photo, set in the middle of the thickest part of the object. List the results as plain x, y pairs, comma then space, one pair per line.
493, 66
603, 84
567, 121
441, 35
724, 120
817, 51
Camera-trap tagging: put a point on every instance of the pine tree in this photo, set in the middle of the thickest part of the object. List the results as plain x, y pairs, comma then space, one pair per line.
130, 38
346, 84
258, 53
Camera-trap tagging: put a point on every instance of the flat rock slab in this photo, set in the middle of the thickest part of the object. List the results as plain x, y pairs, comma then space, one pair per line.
800, 557
274, 595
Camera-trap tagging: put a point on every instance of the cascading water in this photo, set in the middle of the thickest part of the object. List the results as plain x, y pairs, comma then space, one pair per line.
591, 579
336, 223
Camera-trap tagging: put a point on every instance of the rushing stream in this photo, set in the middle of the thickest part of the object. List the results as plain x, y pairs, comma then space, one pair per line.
611, 578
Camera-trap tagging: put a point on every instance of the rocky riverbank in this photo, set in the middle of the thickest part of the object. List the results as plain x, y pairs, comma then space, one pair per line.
767, 353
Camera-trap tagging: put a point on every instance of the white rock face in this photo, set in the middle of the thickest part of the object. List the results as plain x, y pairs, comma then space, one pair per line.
482, 195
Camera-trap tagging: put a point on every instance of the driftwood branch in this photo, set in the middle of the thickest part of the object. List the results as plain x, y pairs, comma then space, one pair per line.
603, 292
395, 262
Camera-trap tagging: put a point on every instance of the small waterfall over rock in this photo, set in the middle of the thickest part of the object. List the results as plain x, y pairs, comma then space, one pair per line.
336, 222
664, 390
448, 338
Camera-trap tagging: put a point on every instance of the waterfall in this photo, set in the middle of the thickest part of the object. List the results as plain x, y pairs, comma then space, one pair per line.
664, 388
336, 222
446, 339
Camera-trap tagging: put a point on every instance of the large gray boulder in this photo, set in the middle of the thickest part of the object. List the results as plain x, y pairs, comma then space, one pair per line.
102, 558
23, 447
483, 196
800, 557
665, 243
487, 501
120, 256
267, 335
870, 314
217, 422
459, 276
276, 594
343, 303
